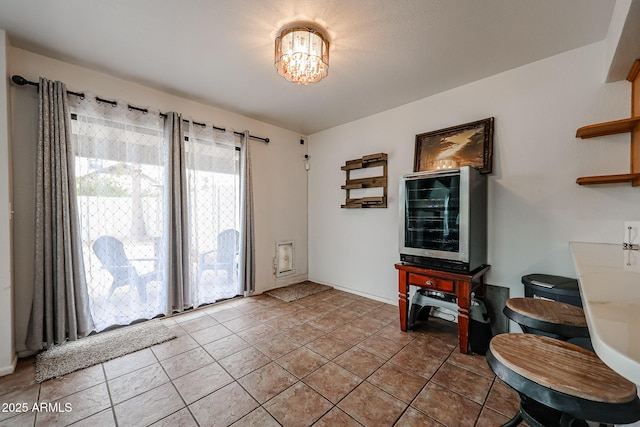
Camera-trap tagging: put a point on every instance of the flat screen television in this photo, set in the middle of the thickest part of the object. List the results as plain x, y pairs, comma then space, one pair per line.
443, 219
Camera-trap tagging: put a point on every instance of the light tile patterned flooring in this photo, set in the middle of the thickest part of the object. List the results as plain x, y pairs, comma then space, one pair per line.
332, 359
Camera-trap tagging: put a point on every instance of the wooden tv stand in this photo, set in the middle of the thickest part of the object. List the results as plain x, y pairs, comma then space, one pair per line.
459, 284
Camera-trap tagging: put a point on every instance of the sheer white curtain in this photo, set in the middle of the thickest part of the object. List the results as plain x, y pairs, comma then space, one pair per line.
121, 185
213, 182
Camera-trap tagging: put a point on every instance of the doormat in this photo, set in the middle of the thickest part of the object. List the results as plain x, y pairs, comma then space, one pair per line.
298, 291
74, 355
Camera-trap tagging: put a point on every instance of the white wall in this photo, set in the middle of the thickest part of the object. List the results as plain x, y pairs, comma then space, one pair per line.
535, 207
280, 180
7, 348
614, 35
623, 39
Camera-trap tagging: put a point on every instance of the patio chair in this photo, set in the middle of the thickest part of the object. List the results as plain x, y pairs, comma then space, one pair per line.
110, 252
224, 258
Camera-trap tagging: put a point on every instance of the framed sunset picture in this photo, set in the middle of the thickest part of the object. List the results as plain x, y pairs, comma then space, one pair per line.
470, 144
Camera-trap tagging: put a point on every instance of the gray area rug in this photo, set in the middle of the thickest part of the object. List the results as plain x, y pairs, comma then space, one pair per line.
74, 355
297, 291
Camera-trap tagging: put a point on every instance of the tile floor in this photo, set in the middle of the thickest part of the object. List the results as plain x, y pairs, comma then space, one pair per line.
332, 359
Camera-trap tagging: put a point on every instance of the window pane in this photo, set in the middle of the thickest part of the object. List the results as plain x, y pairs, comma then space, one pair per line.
213, 205
120, 179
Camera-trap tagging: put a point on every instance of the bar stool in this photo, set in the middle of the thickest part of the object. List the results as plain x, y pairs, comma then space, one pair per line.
550, 318
561, 384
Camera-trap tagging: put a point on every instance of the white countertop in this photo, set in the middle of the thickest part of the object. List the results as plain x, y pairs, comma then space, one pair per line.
611, 299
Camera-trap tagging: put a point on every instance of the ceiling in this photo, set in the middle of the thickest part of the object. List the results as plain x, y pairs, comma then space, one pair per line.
383, 53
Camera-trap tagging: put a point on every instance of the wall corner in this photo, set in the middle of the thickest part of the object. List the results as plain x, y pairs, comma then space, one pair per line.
7, 341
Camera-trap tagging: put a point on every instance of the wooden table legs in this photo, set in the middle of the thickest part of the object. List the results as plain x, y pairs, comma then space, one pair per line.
460, 284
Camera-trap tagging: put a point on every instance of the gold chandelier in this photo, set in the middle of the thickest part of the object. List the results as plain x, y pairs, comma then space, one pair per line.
302, 55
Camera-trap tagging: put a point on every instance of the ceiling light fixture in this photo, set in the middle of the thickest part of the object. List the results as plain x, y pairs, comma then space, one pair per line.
302, 55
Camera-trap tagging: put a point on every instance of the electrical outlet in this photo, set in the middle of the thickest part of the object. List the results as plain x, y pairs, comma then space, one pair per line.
632, 245
632, 232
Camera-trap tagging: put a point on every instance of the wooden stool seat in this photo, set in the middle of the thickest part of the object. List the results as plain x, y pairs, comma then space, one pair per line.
557, 319
563, 377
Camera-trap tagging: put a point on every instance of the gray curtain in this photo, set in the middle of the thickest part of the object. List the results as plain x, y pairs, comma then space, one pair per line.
60, 309
177, 229
247, 234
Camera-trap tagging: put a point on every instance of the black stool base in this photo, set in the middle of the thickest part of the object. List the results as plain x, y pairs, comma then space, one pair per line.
538, 415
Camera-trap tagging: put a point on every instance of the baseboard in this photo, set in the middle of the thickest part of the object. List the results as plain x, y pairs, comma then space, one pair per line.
362, 294
303, 277
26, 353
290, 280
8, 370
282, 282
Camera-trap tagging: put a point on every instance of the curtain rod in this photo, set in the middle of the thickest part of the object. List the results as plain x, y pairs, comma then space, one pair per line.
21, 81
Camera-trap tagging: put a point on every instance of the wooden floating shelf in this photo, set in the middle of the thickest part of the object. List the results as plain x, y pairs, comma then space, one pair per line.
631, 125
351, 186
374, 182
365, 202
370, 161
608, 128
633, 178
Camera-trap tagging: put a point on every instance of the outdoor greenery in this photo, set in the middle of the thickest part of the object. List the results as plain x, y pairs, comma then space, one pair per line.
119, 180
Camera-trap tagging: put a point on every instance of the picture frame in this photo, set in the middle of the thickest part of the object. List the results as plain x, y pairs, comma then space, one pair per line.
470, 144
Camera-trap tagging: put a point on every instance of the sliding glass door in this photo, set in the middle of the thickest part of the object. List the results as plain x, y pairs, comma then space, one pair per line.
121, 182
213, 178
120, 176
